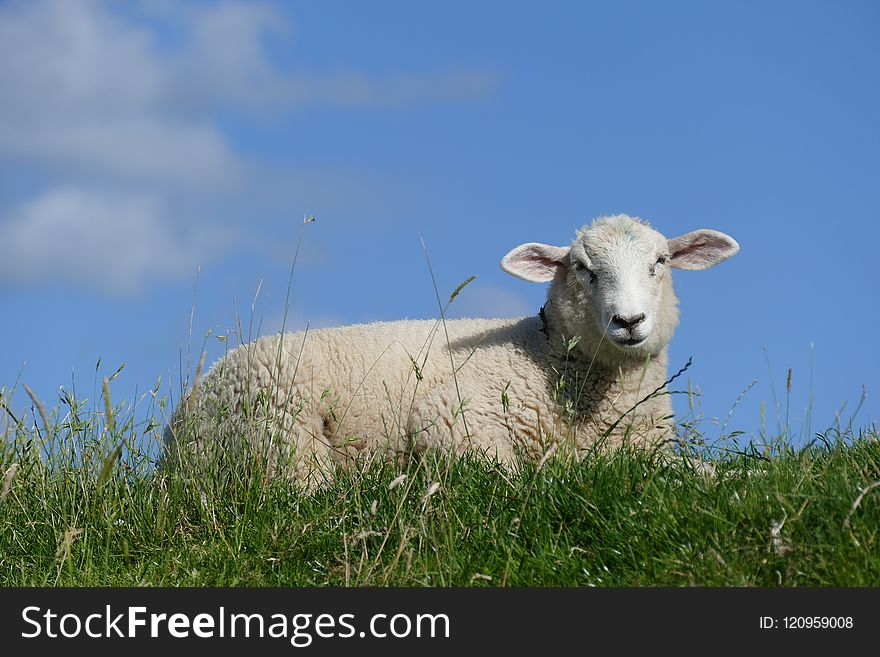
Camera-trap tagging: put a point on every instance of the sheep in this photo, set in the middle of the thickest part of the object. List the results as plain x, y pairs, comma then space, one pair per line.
580, 373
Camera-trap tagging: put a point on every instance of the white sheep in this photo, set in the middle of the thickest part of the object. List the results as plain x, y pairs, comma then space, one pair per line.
580, 372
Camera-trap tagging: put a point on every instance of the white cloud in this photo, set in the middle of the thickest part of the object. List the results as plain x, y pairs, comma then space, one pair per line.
166, 152
115, 105
113, 242
74, 60
93, 89
240, 73
94, 93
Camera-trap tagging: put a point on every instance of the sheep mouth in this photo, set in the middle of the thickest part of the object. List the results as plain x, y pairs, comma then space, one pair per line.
628, 342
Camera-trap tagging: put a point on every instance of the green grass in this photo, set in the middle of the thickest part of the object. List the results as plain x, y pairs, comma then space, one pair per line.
85, 506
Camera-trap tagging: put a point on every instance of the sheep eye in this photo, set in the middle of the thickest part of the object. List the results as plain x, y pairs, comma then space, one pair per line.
579, 266
661, 260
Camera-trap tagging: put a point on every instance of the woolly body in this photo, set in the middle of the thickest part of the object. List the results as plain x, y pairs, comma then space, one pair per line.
578, 373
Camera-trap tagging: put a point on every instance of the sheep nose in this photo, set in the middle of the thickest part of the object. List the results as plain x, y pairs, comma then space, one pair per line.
628, 323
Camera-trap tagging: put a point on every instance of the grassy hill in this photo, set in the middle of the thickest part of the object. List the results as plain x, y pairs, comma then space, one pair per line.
82, 506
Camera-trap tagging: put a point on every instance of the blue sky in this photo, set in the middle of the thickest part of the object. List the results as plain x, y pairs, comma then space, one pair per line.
141, 142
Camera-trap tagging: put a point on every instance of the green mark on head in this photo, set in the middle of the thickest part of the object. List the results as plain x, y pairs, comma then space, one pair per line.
629, 235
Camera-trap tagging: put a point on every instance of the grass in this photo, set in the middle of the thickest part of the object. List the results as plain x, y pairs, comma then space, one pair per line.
83, 505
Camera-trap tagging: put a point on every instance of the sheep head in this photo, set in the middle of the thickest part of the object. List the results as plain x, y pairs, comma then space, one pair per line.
612, 283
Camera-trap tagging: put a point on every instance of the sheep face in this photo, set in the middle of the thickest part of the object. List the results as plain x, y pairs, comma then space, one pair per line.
619, 269
613, 281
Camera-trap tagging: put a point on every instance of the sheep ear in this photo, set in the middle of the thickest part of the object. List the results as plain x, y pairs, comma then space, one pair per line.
538, 263
701, 249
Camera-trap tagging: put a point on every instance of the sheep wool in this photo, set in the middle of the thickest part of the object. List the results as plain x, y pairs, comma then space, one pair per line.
580, 373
